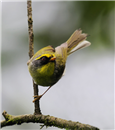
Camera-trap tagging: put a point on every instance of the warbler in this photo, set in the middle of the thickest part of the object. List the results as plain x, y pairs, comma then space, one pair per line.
48, 64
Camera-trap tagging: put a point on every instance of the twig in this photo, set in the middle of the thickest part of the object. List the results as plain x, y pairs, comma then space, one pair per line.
31, 52
46, 120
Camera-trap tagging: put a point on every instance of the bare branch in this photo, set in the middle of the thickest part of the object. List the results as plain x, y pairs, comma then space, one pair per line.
30, 29
31, 52
47, 120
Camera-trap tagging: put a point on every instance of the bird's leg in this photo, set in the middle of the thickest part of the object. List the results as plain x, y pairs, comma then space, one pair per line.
38, 97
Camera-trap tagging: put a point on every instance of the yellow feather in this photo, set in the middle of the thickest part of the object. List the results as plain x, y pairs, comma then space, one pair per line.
46, 70
47, 55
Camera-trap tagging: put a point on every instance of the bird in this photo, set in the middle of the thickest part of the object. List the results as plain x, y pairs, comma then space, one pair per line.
48, 64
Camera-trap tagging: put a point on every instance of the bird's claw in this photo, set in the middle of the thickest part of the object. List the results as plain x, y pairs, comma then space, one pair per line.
37, 97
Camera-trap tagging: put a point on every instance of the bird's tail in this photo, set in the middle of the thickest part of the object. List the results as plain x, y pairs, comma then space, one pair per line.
77, 41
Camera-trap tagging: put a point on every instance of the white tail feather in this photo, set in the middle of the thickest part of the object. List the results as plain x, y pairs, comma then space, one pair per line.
81, 45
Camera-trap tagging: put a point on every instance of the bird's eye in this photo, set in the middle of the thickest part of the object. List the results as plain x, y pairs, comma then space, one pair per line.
44, 58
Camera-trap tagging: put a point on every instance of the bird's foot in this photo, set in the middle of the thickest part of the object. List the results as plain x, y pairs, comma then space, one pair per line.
37, 97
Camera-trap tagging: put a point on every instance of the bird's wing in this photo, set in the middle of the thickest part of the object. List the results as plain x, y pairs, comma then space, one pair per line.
62, 51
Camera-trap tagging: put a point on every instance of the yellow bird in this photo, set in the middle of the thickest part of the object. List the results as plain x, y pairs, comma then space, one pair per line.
47, 65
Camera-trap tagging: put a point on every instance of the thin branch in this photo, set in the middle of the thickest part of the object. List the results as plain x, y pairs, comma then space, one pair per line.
46, 120
31, 52
30, 29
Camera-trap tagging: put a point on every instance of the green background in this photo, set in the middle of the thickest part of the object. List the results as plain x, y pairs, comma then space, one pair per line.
86, 92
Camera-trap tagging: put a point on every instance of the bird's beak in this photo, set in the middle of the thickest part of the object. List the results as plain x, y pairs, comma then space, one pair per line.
53, 58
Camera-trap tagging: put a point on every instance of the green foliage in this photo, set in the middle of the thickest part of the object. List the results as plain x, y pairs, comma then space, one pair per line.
94, 17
